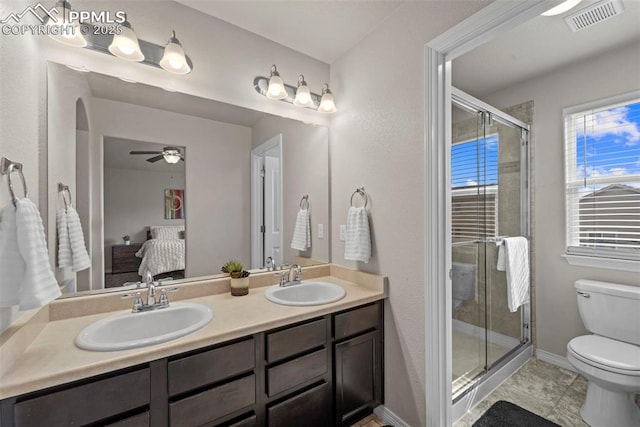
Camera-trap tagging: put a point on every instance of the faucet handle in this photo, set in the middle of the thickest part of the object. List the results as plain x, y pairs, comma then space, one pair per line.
297, 273
163, 295
283, 277
137, 302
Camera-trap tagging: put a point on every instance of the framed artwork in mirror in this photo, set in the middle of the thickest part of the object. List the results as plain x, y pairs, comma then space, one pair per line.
173, 203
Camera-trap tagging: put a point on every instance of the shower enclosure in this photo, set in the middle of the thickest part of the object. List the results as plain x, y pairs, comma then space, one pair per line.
489, 201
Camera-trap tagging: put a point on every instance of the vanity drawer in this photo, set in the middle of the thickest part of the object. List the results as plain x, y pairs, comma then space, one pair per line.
109, 397
356, 321
210, 366
140, 420
296, 340
295, 372
309, 408
212, 404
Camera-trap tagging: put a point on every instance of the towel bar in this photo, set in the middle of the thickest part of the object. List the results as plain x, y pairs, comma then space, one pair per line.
304, 201
6, 168
64, 189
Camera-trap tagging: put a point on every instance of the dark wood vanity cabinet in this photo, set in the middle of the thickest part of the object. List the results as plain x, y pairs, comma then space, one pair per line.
322, 372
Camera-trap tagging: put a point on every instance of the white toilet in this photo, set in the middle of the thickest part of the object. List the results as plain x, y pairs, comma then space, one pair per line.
610, 358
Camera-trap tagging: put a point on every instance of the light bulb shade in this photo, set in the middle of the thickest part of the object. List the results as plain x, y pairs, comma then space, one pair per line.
303, 97
276, 89
174, 59
171, 157
561, 8
125, 45
327, 105
64, 31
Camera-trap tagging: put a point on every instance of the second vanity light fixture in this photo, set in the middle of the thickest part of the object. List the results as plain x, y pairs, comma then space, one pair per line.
274, 87
122, 42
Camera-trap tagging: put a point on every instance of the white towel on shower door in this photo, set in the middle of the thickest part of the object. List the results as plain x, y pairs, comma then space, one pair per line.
513, 257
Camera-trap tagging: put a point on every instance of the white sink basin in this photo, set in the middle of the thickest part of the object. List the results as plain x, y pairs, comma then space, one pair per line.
125, 331
305, 293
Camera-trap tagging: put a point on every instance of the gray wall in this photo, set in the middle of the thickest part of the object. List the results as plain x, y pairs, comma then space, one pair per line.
609, 74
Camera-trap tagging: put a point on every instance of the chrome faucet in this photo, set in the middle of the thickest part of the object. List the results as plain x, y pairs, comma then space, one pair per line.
269, 264
291, 277
151, 304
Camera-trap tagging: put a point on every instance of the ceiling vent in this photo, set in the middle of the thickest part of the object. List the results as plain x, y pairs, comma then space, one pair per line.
597, 12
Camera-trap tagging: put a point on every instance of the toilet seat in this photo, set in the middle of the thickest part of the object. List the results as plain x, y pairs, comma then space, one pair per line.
607, 354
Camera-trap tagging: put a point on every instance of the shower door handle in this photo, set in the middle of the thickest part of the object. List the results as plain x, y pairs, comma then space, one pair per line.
584, 294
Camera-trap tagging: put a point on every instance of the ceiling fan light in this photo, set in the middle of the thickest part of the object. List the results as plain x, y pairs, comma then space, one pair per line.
64, 31
174, 59
276, 89
172, 158
125, 45
561, 8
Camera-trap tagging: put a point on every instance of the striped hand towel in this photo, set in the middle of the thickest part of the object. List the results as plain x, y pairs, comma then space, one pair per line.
12, 265
81, 260
513, 257
64, 245
38, 286
358, 237
302, 232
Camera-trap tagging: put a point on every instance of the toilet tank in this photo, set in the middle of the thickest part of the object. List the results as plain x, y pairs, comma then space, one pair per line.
610, 309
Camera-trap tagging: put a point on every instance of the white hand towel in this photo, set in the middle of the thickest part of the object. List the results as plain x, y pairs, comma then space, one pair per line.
81, 260
12, 265
64, 245
302, 231
357, 245
39, 286
513, 257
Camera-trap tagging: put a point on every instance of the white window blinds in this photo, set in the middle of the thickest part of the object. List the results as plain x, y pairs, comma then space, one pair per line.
602, 178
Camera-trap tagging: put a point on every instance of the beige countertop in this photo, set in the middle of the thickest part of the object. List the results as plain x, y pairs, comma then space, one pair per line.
50, 356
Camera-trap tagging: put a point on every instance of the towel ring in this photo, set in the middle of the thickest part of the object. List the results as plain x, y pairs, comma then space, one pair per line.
64, 189
360, 191
304, 202
6, 168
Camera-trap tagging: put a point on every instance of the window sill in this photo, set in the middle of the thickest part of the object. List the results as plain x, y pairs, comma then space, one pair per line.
600, 262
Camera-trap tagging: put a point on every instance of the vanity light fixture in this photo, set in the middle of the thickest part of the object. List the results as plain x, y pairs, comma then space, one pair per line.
303, 94
125, 45
561, 8
174, 60
276, 89
62, 30
327, 105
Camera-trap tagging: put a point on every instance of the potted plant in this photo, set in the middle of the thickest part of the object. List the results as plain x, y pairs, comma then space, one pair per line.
239, 277
127, 239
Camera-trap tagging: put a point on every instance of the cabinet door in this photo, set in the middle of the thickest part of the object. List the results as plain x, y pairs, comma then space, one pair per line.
358, 380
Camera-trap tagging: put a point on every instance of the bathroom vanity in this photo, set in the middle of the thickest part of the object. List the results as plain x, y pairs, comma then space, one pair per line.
319, 366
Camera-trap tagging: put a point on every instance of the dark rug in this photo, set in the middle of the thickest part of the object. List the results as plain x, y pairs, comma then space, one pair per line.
506, 414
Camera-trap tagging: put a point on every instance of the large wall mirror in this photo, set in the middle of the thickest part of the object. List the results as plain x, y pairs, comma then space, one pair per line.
176, 184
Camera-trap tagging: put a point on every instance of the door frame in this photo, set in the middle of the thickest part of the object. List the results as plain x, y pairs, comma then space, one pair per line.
257, 154
489, 22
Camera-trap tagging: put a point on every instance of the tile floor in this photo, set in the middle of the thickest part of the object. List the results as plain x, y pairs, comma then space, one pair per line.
544, 389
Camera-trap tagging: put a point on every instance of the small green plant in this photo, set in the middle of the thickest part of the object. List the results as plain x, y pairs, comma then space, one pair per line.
235, 269
126, 237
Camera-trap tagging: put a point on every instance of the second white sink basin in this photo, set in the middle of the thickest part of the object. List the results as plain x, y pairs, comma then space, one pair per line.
132, 330
305, 293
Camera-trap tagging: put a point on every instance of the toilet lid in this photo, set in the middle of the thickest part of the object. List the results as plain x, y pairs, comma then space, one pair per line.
607, 352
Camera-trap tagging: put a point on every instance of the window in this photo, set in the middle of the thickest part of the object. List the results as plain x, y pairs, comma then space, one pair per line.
602, 178
474, 195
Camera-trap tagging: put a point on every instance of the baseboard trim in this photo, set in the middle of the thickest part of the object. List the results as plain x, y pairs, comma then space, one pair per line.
386, 415
554, 359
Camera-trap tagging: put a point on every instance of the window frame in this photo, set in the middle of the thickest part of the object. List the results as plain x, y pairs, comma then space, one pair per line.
598, 257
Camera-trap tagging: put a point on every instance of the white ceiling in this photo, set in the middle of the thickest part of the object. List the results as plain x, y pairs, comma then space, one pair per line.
326, 30
542, 45
322, 29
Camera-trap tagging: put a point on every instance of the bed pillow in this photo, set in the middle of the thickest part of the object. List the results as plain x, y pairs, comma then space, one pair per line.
167, 231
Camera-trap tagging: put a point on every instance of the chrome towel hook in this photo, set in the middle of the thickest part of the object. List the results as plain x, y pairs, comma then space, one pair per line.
6, 168
304, 202
363, 195
64, 189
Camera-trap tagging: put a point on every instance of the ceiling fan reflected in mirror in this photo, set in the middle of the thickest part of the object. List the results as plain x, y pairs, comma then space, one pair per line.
169, 154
